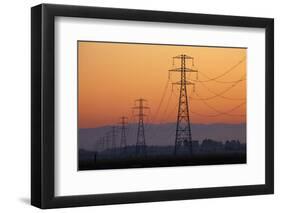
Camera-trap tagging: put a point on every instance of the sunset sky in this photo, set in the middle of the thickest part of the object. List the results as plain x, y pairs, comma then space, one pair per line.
112, 75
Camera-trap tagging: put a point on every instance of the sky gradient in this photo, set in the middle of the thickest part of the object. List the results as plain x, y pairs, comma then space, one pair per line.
112, 75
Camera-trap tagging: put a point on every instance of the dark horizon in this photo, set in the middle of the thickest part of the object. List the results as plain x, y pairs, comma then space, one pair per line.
209, 152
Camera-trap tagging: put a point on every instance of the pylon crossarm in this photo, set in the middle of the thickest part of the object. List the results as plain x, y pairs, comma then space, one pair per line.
191, 70
183, 83
142, 114
140, 100
182, 56
182, 69
143, 107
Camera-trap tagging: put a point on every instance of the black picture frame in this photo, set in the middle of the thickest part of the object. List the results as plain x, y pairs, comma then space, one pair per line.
43, 111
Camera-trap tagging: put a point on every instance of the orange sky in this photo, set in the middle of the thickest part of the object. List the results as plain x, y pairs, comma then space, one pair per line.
113, 75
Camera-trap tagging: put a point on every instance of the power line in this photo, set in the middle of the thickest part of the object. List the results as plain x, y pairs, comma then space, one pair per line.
221, 82
172, 111
219, 113
221, 75
168, 103
165, 111
219, 94
162, 121
161, 100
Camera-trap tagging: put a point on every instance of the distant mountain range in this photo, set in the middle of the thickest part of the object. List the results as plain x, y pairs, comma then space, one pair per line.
164, 134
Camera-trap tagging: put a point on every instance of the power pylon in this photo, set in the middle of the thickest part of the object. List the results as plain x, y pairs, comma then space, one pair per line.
140, 145
183, 131
123, 142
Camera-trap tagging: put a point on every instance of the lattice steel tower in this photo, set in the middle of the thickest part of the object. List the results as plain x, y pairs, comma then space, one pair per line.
123, 142
140, 145
183, 131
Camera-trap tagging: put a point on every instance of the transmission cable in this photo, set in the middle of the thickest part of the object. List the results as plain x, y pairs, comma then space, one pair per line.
219, 94
220, 112
161, 100
221, 75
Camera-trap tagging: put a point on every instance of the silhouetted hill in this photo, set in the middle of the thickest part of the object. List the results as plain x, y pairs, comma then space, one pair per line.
164, 134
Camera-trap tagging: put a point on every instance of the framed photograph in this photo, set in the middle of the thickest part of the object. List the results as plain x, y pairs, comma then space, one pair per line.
139, 106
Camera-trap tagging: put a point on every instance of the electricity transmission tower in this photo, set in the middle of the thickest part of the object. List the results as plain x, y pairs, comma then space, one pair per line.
123, 142
140, 145
183, 131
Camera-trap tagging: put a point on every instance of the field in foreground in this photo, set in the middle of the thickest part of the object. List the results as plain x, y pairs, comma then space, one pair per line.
163, 161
